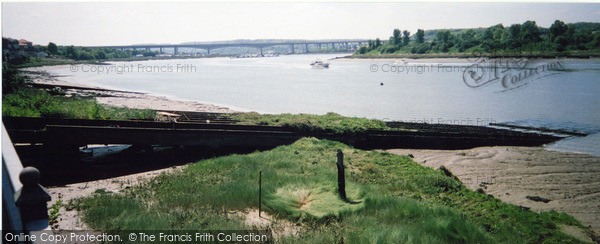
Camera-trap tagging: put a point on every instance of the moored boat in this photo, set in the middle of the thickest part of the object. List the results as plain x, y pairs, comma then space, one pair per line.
319, 64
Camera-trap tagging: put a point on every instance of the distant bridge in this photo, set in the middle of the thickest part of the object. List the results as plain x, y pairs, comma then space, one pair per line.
295, 47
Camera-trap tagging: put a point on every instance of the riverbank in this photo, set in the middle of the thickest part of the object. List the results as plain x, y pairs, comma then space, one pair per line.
133, 100
532, 55
46, 62
564, 182
568, 181
391, 197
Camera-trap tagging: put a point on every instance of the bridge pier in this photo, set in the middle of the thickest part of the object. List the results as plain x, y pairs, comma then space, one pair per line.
306, 47
175, 50
161, 51
292, 48
208, 51
260, 49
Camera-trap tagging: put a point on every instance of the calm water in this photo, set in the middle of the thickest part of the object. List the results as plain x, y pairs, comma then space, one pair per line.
430, 91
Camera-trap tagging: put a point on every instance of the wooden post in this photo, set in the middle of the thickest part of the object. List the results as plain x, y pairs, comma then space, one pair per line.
341, 175
32, 200
259, 192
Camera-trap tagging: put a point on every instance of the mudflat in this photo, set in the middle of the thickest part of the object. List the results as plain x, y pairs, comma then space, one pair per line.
532, 177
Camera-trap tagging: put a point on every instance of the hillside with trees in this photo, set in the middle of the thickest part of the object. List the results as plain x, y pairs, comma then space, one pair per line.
517, 38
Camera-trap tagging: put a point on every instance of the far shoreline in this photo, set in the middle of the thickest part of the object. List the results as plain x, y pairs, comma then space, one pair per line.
530, 55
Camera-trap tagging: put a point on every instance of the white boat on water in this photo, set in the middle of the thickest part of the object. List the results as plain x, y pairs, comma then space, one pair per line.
319, 64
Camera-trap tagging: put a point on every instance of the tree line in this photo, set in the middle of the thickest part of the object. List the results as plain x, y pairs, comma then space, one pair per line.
84, 53
498, 38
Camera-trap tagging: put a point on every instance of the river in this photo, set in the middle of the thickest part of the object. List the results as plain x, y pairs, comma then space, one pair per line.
557, 94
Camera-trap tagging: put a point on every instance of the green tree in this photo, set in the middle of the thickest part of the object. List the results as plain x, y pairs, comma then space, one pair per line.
563, 35
421, 48
530, 32
595, 44
420, 36
443, 41
396, 37
99, 54
581, 38
85, 55
493, 33
405, 37
71, 53
514, 32
557, 29
561, 43
377, 43
362, 50
52, 48
466, 39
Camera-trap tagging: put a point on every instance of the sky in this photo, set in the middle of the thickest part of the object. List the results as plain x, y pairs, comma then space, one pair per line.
89, 24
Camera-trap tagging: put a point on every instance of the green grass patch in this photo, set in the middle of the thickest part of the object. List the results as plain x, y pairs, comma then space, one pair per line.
20, 100
396, 200
300, 201
309, 123
30, 102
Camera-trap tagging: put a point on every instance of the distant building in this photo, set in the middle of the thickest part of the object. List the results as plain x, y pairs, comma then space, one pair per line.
16, 51
25, 45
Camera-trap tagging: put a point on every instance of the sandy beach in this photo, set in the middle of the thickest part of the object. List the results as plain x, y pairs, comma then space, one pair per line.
570, 181
136, 100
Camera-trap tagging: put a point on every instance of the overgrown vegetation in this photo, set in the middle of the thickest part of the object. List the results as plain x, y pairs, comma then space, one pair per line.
19, 100
397, 200
55, 212
517, 38
307, 122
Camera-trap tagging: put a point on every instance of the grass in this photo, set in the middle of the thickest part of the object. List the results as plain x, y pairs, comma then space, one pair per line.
309, 123
395, 200
54, 212
30, 102
19, 100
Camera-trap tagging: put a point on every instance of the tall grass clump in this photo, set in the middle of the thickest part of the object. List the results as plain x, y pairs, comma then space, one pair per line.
392, 200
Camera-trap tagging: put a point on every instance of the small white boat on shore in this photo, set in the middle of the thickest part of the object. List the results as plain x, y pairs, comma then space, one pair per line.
400, 62
319, 64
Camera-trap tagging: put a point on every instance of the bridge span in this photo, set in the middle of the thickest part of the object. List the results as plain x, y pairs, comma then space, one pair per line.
294, 46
